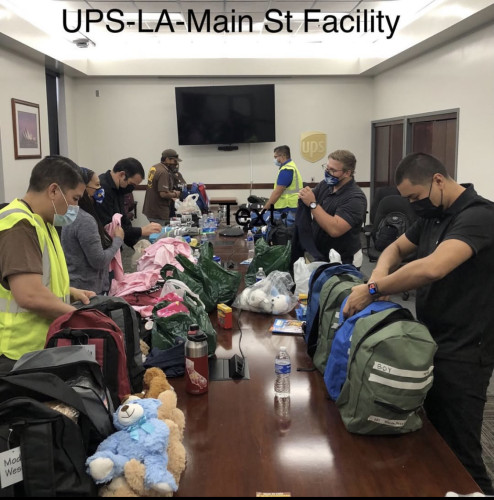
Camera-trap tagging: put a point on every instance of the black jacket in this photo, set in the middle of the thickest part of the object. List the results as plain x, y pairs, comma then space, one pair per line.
114, 204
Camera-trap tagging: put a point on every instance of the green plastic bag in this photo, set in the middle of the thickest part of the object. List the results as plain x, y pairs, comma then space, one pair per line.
270, 258
214, 284
165, 330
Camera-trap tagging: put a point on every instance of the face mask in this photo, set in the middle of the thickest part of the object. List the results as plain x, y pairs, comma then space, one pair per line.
424, 208
276, 163
331, 180
68, 217
128, 189
99, 195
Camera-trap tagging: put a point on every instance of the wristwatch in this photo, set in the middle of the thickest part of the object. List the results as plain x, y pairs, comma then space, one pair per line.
313, 205
373, 290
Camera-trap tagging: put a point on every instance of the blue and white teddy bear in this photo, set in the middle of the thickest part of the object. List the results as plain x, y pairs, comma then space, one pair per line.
140, 435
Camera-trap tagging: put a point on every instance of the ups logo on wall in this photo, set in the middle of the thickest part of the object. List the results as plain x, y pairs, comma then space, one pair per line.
313, 146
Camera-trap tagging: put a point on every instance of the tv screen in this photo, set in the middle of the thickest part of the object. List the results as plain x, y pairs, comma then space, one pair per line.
226, 114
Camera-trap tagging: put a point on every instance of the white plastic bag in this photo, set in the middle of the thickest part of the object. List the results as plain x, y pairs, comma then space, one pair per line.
188, 206
302, 272
270, 295
179, 287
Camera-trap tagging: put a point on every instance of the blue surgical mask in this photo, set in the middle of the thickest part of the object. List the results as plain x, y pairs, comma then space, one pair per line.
331, 180
99, 195
68, 217
276, 162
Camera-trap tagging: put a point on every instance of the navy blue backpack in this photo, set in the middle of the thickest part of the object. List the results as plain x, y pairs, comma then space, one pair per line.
316, 281
336, 367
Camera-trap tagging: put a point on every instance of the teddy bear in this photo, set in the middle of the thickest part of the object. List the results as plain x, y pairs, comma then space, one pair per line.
169, 411
154, 382
131, 484
140, 435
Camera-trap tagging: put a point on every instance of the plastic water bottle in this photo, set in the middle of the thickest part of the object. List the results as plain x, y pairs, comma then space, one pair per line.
260, 275
282, 368
250, 244
282, 412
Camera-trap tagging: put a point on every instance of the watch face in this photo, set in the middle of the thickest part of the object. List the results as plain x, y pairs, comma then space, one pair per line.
313, 205
372, 288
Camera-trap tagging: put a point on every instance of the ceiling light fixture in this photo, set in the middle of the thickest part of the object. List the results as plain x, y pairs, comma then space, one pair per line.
83, 43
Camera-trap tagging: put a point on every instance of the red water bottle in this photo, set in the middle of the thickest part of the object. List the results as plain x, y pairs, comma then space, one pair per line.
196, 361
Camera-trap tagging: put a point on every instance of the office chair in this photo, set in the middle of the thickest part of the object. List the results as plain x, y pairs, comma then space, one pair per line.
388, 205
380, 193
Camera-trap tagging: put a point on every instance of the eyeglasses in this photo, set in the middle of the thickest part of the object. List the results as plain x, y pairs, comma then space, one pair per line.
330, 171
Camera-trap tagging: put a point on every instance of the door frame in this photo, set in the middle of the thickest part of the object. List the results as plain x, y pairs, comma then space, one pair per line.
407, 121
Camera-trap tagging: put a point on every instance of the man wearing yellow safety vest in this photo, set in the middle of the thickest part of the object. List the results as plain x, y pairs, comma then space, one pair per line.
288, 183
34, 281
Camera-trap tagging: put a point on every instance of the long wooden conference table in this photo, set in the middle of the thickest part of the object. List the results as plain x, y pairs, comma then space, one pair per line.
239, 442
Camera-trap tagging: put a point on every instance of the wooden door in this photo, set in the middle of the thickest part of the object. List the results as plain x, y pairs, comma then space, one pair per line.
435, 135
388, 151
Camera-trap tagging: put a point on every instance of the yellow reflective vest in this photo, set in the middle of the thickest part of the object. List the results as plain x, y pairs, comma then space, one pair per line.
289, 198
22, 331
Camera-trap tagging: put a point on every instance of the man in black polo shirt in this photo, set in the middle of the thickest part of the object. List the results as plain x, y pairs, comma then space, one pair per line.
454, 278
331, 215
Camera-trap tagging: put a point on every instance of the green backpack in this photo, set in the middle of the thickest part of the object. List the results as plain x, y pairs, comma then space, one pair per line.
333, 293
389, 374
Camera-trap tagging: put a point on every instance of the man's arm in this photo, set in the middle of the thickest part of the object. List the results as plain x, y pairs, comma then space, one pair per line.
447, 256
169, 194
334, 225
30, 294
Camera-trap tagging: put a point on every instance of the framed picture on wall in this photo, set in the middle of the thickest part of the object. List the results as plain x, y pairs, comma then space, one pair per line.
25, 120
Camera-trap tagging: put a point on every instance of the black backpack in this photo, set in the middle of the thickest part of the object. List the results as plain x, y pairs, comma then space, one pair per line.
52, 448
279, 232
75, 366
125, 316
390, 228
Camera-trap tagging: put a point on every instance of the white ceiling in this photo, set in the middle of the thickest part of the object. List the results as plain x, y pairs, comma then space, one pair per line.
274, 40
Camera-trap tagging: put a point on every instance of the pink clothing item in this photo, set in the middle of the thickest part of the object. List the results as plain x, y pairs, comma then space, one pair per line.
170, 309
116, 263
144, 311
140, 281
162, 252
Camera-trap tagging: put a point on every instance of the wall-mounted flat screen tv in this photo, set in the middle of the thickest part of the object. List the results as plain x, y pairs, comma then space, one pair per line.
225, 114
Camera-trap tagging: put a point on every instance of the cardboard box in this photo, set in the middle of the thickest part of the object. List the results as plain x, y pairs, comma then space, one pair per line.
224, 316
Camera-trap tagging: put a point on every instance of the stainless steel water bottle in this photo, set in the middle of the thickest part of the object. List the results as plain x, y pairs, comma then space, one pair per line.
196, 361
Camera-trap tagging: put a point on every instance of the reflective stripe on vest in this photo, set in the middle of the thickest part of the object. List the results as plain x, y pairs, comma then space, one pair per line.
289, 198
22, 330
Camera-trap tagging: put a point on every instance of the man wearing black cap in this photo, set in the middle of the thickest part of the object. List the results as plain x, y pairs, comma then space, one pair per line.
164, 187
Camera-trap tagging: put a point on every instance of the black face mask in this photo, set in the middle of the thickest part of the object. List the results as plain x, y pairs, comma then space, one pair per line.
424, 208
127, 189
